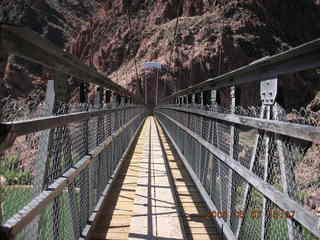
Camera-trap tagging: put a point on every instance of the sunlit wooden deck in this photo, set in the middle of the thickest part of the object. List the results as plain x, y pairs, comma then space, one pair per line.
154, 198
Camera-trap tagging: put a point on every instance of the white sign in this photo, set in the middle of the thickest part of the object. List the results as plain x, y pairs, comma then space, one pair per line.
152, 65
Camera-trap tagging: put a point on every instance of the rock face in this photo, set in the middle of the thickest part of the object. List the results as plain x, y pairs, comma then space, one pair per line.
59, 22
213, 37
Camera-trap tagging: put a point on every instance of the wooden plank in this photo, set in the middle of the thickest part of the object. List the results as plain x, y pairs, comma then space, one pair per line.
227, 231
301, 215
98, 212
155, 214
305, 132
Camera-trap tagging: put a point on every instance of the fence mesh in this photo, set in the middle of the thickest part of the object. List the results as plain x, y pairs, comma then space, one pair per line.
37, 160
270, 157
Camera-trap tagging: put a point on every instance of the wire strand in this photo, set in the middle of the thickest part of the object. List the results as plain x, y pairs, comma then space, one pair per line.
130, 27
175, 33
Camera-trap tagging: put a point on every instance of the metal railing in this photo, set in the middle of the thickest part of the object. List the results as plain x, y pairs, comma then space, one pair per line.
77, 157
59, 162
248, 162
22, 42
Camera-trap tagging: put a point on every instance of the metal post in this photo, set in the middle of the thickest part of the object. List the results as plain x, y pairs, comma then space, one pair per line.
213, 100
145, 91
211, 163
108, 96
83, 211
42, 158
193, 99
55, 91
233, 153
295, 231
83, 92
268, 93
113, 99
123, 100
201, 98
157, 87
101, 96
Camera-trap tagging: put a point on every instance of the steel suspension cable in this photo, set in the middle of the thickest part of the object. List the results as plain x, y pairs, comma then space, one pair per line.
130, 27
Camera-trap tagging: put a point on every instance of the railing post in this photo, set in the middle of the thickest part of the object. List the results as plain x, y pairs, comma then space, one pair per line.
265, 111
122, 112
193, 100
212, 173
55, 91
115, 113
216, 141
213, 100
41, 163
62, 134
289, 184
101, 96
114, 99
83, 92
84, 188
122, 101
94, 169
233, 153
267, 102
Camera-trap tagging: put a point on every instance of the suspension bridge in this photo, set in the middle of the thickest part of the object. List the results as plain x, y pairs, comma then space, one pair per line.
193, 167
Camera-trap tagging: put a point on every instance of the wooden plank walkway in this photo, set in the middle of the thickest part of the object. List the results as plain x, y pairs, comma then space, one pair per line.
154, 197
155, 212
193, 210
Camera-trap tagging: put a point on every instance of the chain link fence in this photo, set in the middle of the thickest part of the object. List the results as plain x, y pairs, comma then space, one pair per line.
62, 172
285, 163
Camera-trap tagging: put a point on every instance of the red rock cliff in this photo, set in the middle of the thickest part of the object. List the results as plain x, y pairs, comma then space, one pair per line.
213, 36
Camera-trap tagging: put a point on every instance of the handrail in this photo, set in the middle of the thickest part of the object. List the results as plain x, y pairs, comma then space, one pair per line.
19, 221
25, 127
25, 43
11, 130
305, 56
299, 131
279, 198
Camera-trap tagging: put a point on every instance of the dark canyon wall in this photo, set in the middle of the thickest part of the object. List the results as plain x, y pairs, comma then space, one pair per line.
213, 37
